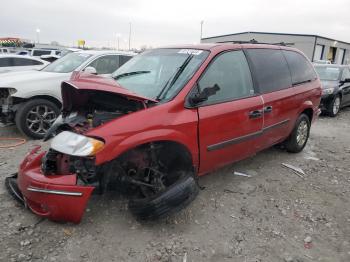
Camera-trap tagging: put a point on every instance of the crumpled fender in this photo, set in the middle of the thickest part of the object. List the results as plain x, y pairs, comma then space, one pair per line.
113, 149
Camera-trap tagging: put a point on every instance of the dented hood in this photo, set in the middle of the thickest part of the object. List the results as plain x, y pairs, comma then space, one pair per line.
77, 90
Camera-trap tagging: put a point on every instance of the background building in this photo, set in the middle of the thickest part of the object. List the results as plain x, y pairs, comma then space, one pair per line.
313, 46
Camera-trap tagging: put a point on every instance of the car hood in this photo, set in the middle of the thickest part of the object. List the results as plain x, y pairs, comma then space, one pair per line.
80, 86
31, 83
329, 84
12, 79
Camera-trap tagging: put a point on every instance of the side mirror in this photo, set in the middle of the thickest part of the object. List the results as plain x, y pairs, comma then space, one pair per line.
90, 70
203, 95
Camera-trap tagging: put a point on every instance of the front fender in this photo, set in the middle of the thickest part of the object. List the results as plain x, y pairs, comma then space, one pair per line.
115, 146
29, 95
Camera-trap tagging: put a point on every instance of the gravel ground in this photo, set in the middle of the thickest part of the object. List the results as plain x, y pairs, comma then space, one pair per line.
274, 215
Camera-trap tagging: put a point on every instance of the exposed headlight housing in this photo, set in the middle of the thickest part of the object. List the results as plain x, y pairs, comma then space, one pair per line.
328, 91
6, 92
12, 90
74, 144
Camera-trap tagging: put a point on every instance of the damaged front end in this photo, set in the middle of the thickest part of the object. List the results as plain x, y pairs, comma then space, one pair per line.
58, 183
7, 105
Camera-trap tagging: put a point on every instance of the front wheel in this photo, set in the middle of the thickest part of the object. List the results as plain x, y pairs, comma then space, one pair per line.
300, 135
334, 106
35, 117
171, 199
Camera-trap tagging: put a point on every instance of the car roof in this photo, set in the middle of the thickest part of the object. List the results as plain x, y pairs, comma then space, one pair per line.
103, 52
223, 46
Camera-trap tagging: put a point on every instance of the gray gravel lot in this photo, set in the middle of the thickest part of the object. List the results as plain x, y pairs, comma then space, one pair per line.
274, 215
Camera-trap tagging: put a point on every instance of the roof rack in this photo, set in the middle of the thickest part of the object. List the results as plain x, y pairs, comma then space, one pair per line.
253, 41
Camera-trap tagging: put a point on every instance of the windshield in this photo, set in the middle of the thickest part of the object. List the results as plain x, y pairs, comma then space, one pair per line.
67, 63
154, 71
328, 73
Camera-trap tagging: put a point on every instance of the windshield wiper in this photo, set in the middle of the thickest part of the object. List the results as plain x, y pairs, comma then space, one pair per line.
130, 74
174, 77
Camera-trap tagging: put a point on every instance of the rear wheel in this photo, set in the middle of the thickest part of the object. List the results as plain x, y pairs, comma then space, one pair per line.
300, 135
35, 117
334, 106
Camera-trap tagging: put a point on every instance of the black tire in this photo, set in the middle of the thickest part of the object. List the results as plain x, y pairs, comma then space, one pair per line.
173, 199
25, 114
334, 106
296, 142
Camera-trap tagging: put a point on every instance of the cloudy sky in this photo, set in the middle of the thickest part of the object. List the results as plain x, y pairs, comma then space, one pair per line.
162, 22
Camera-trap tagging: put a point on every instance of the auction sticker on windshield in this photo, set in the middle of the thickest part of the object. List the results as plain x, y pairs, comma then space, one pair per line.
190, 51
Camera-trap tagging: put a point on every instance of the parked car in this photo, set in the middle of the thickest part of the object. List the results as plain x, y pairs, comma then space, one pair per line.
5, 50
32, 99
23, 52
10, 63
41, 51
168, 116
335, 87
58, 54
322, 62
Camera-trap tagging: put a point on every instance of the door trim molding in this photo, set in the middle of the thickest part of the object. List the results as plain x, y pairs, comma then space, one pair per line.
244, 138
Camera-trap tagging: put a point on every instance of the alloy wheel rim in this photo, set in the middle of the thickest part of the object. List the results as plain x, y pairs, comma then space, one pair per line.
40, 118
336, 105
302, 133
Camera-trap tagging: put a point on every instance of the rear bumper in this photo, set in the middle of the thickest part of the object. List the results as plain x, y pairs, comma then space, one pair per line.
56, 197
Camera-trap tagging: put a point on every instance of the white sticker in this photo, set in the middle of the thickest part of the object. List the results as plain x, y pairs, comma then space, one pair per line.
190, 51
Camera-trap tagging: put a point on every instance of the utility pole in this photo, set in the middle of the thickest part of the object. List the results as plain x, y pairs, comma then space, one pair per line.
37, 35
118, 36
129, 35
202, 22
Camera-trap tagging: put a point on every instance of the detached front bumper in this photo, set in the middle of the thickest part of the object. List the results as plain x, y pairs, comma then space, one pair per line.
56, 197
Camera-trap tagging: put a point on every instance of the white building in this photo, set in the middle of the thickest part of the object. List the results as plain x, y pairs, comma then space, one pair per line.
313, 46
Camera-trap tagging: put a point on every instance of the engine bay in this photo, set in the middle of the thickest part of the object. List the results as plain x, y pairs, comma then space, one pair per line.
97, 108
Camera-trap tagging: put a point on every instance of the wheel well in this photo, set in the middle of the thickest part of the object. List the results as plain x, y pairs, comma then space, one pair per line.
50, 98
168, 152
309, 112
167, 157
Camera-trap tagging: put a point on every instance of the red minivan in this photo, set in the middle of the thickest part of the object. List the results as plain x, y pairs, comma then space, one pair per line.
166, 117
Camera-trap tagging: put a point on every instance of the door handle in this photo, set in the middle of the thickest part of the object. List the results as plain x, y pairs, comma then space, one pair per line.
267, 109
255, 114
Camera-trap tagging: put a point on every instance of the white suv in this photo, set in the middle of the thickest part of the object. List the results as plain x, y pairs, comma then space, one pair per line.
10, 63
32, 99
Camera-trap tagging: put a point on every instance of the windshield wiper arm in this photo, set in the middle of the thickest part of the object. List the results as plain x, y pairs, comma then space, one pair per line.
174, 77
130, 74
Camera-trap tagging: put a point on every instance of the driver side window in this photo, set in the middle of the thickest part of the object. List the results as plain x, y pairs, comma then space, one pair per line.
230, 72
346, 74
106, 64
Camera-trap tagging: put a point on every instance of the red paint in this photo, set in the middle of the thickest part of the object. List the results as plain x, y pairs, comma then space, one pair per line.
53, 206
194, 128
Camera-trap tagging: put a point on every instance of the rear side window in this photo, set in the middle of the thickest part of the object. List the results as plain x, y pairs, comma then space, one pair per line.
230, 72
300, 69
41, 52
270, 69
6, 61
25, 62
346, 74
123, 59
